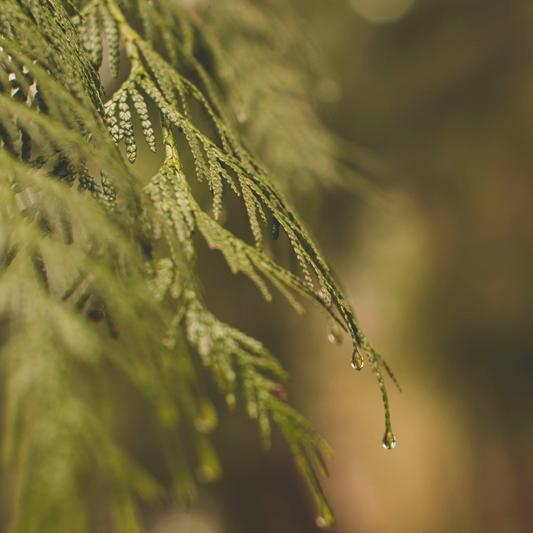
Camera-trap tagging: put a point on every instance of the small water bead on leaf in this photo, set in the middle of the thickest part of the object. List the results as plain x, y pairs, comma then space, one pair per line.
321, 522
241, 116
252, 410
206, 474
389, 441
231, 400
335, 334
209, 467
207, 419
357, 360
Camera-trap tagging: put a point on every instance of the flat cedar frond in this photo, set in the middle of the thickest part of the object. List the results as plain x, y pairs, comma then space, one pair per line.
103, 275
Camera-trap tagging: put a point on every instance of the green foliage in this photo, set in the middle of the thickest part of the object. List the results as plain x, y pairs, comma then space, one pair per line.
270, 72
102, 276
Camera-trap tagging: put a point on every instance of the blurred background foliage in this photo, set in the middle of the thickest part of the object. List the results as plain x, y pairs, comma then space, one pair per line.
437, 96
433, 101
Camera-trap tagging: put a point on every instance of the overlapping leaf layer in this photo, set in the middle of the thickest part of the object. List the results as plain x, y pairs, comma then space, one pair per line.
98, 275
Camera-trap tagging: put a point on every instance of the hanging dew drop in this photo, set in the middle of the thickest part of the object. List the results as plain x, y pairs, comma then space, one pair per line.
357, 360
321, 522
335, 334
389, 441
206, 420
205, 474
231, 400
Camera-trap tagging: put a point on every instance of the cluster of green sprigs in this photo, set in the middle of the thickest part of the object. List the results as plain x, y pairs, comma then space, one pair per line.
220, 160
88, 274
170, 93
29, 81
268, 77
73, 294
242, 365
96, 17
55, 287
24, 80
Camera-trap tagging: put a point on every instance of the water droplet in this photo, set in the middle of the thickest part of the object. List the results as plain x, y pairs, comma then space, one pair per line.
231, 400
241, 116
321, 522
207, 419
335, 334
252, 409
357, 360
389, 442
205, 474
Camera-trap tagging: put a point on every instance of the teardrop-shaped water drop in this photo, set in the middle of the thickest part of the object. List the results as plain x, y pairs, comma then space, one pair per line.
205, 474
206, 420
335, 334
321, 522
357, 360
389, 441
231, 400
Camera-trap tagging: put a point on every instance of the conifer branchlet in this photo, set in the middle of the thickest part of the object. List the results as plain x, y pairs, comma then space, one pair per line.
97, 272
